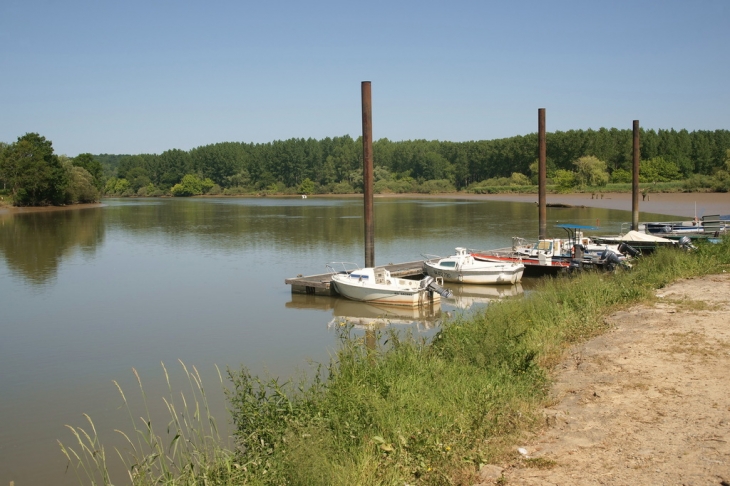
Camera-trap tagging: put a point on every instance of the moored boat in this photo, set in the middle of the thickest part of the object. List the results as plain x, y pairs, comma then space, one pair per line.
376, 285
464, 268
641, 241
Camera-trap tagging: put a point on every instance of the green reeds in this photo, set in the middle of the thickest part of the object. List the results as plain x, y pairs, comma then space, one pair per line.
407, 411
190, 451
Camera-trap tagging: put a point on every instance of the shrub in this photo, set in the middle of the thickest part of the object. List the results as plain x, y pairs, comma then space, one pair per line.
436, 186
82, 187
697, 182
565, 180
191, 185
658, 169
590, 171
621, 176
343, 187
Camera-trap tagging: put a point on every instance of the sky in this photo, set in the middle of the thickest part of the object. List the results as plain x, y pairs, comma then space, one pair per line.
145, 76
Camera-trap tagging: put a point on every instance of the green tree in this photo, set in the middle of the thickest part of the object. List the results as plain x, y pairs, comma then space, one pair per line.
191, 185
658, 169
621, 176
121, 186
517, 179
591, 171
81, 187
306, 187
92, 166
565, 180
33, 172
3, 147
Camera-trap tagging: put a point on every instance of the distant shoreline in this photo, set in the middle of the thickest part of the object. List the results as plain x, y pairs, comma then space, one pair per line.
45, 209
680, 204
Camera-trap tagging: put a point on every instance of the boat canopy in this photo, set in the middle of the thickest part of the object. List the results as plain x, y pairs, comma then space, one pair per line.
576, 227
636, 236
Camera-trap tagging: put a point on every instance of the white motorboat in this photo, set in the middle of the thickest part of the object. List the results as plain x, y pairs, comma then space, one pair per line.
464, 268
376, 285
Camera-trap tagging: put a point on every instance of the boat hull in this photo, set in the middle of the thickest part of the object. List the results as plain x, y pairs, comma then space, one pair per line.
506, 274
363, 291
533, 267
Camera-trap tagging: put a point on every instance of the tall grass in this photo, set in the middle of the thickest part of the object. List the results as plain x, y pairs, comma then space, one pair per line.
410, 411
189, 451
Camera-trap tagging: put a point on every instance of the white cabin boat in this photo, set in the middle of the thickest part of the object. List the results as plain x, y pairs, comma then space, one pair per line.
464, 268
377, 286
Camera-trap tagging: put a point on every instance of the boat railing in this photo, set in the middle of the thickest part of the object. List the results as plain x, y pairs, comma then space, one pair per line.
624, 228
429, 257
342, 267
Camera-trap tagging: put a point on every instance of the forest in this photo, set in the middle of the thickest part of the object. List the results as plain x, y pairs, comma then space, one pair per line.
30, 171
334, 165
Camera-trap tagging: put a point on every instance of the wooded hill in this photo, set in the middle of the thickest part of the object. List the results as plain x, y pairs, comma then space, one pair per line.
335, 164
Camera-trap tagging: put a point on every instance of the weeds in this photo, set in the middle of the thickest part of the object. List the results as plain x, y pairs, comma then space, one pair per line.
189, 452
405, 411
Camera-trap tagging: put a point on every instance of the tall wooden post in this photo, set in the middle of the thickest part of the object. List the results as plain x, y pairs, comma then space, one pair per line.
367, 173
635, 180
542, 174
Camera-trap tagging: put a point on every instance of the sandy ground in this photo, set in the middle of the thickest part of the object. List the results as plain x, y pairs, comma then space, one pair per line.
672, 204
647, 403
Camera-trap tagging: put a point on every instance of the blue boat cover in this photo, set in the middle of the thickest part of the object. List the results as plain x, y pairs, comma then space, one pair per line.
575, 226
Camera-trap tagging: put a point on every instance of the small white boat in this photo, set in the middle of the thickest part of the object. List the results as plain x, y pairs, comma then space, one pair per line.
464, 268
377, 286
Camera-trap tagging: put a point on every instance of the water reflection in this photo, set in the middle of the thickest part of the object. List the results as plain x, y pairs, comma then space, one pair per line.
88, 294
362, 315
35, 244
465, 296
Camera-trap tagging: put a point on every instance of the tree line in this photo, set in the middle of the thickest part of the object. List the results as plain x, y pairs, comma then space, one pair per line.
34, 175
334, 165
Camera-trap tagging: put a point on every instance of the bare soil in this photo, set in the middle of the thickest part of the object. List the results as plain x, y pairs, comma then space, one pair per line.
684, 204
646, 403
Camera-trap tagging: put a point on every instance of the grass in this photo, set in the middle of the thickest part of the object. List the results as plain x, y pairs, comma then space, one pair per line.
409, 411
650, 188
190, 450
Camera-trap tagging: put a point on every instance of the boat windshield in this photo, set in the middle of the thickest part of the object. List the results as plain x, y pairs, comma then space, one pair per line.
448, 263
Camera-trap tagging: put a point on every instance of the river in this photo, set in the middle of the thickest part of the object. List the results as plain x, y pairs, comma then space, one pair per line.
88, 294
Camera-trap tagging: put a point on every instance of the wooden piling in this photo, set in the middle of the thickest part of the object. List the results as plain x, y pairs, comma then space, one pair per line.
542, 174
367, 173
635, 180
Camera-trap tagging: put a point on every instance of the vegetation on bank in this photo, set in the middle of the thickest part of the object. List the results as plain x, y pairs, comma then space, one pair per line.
34, 175
576, 159
407, 411
589, 160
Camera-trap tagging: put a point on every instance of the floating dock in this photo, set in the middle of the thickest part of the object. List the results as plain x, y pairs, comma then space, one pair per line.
322, 284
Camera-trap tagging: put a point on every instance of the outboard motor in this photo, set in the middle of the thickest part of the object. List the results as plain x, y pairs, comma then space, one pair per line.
686, 243
610, 260
627, 249
434, 286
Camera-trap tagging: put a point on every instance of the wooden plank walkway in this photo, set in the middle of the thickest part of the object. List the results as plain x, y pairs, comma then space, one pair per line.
320, 284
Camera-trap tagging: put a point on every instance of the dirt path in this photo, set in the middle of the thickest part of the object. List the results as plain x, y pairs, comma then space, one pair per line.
646, 403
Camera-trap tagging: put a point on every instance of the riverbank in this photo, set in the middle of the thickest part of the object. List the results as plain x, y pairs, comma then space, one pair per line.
403, 411
680, 204
646, 402
46, 209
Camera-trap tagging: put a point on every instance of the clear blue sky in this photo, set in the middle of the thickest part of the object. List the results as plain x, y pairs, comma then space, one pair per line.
147, 76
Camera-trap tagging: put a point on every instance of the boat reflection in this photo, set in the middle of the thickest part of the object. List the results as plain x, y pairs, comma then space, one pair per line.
465, 296
363, 315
